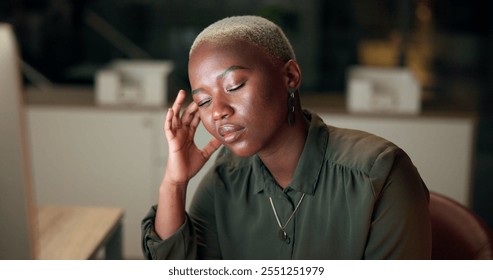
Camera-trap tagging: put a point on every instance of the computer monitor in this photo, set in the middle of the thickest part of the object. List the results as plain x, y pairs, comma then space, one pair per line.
17, 209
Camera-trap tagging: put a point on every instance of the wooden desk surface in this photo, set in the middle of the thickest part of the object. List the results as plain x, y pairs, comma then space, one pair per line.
74, 232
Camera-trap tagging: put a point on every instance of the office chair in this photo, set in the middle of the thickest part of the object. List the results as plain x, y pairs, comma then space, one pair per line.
457, 232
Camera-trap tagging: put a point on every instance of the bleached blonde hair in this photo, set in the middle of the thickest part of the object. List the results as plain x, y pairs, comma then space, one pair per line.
254, 29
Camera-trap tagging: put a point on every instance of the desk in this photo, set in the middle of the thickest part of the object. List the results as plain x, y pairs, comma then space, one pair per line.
78, 233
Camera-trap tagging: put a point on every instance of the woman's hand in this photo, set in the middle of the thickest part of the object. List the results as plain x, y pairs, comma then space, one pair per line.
185, 159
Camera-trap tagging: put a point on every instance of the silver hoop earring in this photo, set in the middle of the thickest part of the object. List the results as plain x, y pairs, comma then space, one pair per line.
291, 106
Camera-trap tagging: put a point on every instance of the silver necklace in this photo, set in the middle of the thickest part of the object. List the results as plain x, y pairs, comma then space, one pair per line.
282, 233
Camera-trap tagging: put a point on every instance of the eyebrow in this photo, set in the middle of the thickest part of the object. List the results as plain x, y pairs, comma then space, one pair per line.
221, 76
230, 69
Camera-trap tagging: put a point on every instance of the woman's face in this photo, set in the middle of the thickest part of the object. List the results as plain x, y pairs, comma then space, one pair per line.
242, 96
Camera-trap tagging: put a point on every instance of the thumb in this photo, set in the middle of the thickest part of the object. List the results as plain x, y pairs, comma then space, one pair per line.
210, 148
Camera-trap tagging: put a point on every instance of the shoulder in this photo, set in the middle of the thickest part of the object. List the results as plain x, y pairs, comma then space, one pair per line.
374, 157
357, 149
351, 148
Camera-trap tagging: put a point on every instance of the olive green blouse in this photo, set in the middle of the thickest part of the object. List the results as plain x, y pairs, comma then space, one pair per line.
364, 199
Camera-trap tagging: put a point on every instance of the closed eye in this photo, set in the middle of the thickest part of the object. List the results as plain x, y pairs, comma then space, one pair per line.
237, 87
203, 102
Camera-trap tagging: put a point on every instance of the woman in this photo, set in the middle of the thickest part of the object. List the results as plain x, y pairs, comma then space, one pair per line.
285, 185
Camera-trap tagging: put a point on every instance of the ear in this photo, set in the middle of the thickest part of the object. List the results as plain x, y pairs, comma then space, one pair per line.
292, 74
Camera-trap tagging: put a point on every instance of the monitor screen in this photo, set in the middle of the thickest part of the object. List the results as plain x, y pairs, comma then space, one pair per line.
17, 213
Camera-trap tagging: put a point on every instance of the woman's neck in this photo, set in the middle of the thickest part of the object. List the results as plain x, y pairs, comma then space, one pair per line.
283, 160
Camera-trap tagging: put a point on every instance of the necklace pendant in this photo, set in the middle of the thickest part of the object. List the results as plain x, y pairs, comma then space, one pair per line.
283, 235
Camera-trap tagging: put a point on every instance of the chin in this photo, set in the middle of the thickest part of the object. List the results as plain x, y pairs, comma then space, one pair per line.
241, 150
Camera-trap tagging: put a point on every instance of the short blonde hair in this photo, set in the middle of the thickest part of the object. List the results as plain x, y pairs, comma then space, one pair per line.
254, 29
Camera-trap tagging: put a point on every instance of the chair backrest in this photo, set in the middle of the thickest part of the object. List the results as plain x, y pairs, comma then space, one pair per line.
17, 212
457, 232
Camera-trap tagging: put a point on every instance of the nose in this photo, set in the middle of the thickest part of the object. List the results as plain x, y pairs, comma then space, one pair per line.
221, 109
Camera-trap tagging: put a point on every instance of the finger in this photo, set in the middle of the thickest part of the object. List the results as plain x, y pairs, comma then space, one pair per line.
189, 113
210, 148
168, 128
180, 98
193, 125
195, 121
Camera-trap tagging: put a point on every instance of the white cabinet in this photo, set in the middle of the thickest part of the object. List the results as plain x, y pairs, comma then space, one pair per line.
100, 157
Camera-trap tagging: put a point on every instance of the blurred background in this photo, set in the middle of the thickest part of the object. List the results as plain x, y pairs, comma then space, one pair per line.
446, 42
448, 45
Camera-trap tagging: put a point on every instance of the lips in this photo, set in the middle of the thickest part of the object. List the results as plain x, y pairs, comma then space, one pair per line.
230, 132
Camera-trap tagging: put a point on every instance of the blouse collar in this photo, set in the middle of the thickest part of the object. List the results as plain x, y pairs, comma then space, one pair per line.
309, 165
